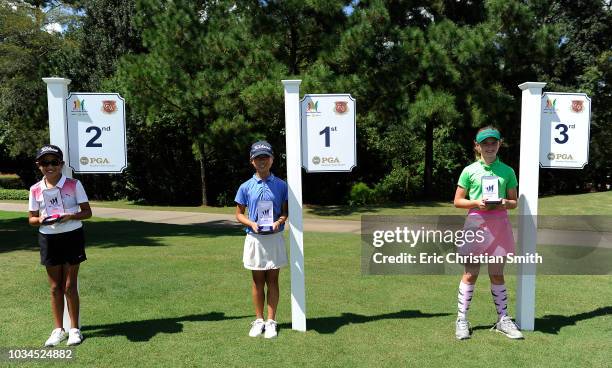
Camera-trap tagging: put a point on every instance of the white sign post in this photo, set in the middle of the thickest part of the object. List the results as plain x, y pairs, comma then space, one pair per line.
528, 201
554, 127
96, 132
327, 143
57, 90
294, 181
328, 133
565, 130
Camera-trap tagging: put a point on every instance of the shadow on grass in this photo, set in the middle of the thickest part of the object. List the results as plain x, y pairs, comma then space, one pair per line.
553, 323
346, 210
328, 325
16, 234
141, 331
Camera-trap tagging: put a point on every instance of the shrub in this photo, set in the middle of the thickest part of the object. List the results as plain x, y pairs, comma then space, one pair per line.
10, 182
361, 195
16, 194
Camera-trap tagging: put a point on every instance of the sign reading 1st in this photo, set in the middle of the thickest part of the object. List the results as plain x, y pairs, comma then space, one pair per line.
96, 132
329, 142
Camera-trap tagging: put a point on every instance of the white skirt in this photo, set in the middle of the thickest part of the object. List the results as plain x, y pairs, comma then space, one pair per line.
264, 252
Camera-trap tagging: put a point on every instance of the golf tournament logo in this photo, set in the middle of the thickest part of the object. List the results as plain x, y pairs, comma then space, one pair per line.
84, 161
54, 201
316, 160
109, 106
78, 106
551, 106
577, 106
489, 188
341, 107
550, 156
312, 106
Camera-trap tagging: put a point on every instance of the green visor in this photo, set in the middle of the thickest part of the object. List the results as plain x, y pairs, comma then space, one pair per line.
487, 133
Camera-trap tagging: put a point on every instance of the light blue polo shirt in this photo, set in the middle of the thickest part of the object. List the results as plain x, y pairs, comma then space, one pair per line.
255, 189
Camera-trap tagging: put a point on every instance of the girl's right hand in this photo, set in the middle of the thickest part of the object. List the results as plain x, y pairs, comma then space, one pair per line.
254, 227
481, 204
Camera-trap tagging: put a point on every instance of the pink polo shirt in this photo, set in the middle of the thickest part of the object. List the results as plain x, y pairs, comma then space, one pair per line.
72, 193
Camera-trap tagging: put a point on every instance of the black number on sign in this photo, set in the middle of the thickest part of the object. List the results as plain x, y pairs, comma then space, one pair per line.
563, 131
97, 134
326, 132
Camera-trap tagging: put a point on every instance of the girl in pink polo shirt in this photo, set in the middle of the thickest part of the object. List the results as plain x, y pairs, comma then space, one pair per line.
57, 205
491, 187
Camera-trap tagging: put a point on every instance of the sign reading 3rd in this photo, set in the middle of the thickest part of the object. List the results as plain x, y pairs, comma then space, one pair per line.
565, 130
96, 132
329, 141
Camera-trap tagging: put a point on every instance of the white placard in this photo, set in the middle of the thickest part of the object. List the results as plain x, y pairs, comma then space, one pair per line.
54, 205
564, 130
329, 142
96, 132
490, 188
265, 215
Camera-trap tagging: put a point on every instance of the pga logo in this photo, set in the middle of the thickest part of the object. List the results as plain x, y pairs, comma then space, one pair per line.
560, 156
325, 160
94, 161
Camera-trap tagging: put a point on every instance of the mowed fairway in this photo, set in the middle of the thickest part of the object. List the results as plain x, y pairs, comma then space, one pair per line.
158, 295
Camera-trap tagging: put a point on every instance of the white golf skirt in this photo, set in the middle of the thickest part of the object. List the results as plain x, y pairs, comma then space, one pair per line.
264, 252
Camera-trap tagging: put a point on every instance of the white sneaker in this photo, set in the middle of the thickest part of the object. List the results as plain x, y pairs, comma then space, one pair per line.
508, 328
462, 329
74, 337
56, 337
257, 327
270, 329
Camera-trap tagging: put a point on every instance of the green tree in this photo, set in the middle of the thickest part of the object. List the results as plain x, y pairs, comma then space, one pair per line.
25, 51
204, 71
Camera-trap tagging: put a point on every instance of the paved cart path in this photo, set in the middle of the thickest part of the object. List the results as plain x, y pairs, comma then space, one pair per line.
545, 236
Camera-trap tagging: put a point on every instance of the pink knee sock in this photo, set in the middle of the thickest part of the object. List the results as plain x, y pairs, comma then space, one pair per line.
500, 298
463, 299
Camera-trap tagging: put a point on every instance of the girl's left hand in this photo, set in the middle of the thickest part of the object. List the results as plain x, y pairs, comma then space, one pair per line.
66, 217
501, 206
276, 226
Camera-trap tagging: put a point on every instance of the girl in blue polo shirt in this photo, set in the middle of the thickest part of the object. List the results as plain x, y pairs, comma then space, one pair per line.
264, 254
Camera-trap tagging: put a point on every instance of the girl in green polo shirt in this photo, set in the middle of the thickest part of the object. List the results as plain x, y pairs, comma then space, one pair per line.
487, 188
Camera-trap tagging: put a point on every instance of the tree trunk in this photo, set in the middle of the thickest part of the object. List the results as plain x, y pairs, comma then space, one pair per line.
427, 182
294, 39
203, 175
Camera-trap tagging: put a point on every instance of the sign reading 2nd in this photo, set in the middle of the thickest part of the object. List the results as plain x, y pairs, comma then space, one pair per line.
97, 132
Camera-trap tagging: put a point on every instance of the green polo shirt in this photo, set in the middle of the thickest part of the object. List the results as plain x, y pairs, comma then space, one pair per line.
470, 178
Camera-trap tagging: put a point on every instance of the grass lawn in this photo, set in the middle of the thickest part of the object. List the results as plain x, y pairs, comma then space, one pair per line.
169, 295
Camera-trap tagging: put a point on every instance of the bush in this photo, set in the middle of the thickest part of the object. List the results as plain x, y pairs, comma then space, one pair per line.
361, 195
10, 182
16, 194
398, 186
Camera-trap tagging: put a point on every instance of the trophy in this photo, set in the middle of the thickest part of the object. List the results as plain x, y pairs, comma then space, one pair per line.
265, 216
54, 206
490, 190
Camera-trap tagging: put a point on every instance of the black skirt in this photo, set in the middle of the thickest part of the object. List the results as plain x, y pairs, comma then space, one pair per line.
62, 248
